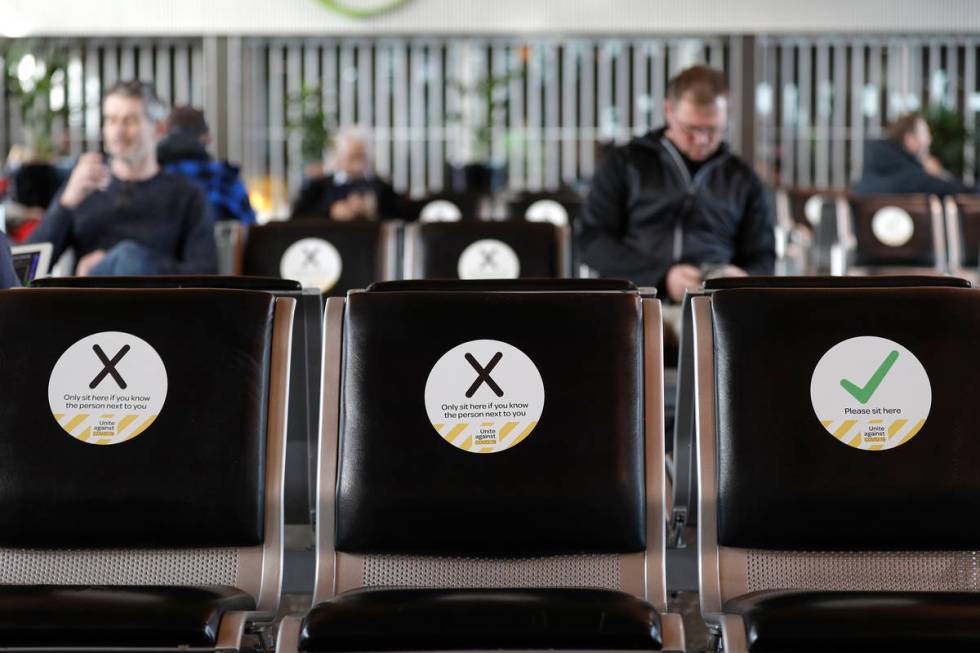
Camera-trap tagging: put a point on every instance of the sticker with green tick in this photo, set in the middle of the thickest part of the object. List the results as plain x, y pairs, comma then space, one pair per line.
863, 394
870, 393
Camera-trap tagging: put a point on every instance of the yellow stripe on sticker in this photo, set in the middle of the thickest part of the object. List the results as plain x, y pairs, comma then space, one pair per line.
842, 430
524, 434
467, 443
456, 430
84, 435
912, 432
856, 442
125, 422
75, 421
896, 426
139, 429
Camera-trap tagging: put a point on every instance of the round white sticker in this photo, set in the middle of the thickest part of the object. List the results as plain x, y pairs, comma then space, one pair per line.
440, 211
813, 209
313, 262
484, 396
547, 211
892, 226
107, 388
488, 259
871, 393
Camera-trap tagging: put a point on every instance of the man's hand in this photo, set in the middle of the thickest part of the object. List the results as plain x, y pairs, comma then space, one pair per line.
682, 277
342, 211
90, 174
89, 261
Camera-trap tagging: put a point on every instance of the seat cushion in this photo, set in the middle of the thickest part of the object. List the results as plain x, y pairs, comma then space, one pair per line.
851, 621
465, 619
50, 615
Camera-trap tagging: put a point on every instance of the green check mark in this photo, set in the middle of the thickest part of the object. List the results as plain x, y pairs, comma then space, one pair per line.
864, 394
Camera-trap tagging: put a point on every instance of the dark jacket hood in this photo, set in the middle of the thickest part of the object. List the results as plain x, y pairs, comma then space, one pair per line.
181, 146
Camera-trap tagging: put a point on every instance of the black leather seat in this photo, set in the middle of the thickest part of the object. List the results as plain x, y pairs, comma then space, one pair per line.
133, 514
465, 527
366, 252
819, 455
157, 616
895, 233
486, 250
871, 622
304, 371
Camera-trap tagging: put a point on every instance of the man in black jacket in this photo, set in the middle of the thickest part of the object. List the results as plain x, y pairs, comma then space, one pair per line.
675, 205
8, 277
901, 163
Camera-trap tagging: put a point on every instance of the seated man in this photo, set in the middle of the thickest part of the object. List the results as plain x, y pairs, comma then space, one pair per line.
8, 277
901, 163
183, 151
352, 191
675, 206
129, 217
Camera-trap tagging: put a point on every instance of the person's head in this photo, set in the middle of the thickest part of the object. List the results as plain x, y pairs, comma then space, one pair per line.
912, 133
697, 111
188, 120
131, 118
351, 154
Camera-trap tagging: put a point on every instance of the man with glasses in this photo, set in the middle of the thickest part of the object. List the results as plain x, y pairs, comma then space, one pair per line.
676, 206
126, 216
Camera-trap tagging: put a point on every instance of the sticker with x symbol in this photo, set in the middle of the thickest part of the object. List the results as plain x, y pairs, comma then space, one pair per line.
483, 374
109, 367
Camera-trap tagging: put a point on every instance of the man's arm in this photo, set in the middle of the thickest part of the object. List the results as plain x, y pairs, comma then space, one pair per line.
603, 223
198, 253
755, 246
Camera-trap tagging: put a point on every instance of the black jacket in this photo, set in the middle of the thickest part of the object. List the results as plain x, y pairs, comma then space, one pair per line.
889, 168
318, 195
8, 277
646, 213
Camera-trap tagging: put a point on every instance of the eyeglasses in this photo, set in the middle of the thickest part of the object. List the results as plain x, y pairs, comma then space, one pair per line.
707, 132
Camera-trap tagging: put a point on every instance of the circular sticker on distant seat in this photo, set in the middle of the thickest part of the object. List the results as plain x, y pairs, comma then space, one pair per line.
314, 262
440, 211
871, 393
107, 388
893, 226
484, 396
489, 259
547, 211
813, 209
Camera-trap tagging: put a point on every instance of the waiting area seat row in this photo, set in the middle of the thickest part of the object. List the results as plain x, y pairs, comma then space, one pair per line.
335, 257
879, 234
490, 483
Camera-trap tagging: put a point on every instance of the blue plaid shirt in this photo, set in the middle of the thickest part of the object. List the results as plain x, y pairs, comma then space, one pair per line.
224, 188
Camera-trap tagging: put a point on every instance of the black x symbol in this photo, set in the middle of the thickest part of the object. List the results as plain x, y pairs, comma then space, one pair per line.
488, 256
310, 257
484, 375
110, 366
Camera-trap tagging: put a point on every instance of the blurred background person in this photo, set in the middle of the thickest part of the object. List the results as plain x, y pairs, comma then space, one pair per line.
127, 216
184, 151
676, 205
902, 163
351, 190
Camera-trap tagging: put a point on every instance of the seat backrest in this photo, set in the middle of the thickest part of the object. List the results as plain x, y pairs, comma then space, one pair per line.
486, 250
897, 230
445, 207
803, 205
141, 440
304, 367
518, 447
332, 256
684, 503
833, 427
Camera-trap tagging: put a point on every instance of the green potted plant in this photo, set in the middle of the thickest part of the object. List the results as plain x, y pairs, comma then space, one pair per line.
312, 125
481, 101
949, 137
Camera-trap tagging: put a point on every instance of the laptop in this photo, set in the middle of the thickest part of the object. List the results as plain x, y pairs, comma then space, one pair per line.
31, 261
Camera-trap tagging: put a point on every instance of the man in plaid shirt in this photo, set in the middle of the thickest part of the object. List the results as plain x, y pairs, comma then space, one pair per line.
183, 151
